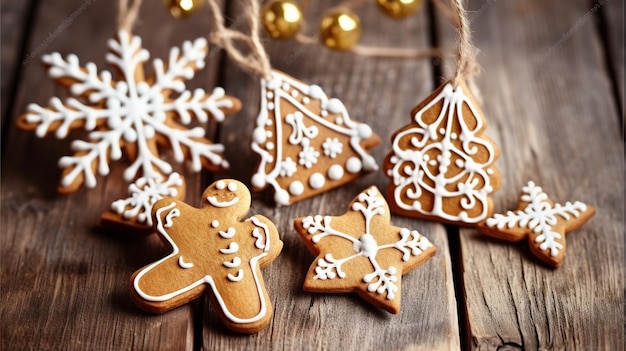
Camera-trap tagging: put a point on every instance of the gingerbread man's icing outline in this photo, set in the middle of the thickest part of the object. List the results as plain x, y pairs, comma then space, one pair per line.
167, 221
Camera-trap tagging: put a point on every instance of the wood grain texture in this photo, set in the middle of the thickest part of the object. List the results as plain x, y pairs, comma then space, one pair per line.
549, 105
614, 16
381, 92
14, 16
64, 283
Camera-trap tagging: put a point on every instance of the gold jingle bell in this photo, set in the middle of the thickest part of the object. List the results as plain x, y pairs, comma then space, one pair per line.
399, 8
281, 18
340, 29
183, 8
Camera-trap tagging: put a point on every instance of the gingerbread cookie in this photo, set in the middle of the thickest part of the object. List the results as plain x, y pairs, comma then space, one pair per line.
542, 221
133, 215
441, 165
135, 114
307, 142
212, 251
362, 252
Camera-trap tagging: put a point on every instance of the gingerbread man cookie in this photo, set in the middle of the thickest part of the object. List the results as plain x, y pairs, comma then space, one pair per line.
215, 252
362, 252
442, 166
542, 221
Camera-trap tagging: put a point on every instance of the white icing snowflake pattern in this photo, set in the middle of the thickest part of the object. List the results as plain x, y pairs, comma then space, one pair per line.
332, 147
382, 280
288, 167
308, 156
431, 156
134, 113
539, 216
144, 193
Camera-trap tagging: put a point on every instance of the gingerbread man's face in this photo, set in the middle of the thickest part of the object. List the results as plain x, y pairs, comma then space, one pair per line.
212, 249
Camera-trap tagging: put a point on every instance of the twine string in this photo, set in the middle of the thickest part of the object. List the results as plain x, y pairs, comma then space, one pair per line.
128, 11
466, 65
257, 60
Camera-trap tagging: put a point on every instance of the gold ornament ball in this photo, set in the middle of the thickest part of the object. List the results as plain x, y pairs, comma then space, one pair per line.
340, 29
282, 18
183, 8
399, 8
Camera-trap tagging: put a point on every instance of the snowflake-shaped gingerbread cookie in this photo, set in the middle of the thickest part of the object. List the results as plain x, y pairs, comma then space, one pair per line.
136, 114
307, 143
361, 251
441, 165
212, 251
542, 221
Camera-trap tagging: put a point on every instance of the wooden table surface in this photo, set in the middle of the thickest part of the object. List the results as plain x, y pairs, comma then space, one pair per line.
553, 87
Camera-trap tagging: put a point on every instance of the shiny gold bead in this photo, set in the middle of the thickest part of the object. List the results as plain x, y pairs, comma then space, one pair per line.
399, 8
281, 18
340, 29
183, 8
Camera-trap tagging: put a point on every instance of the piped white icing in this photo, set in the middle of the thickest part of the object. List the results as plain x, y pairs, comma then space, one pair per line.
381, 280
302, 126
539, 216
127, 111
414, 173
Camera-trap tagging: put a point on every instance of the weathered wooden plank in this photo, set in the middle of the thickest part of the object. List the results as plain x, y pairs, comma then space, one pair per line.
64, 284
548, 101
381, 92
14, 18
613, 12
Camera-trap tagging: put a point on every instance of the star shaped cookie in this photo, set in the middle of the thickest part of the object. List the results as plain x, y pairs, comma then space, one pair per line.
212, 251
540, 220
360, 251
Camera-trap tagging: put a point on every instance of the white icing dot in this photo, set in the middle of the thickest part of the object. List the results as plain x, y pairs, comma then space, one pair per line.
294, 93
215, 223
459, 163
281, 197
489, 171
269, 133
335, 172
286, 86
258, 180
232, 187
270, 95
453, 136
324, 113
316, 180
442, 131
268, 122
353, 165
334, 106
316, 92
339, 121
270, 106
364, 130
306, 100
220, 185
296, 188
259, 136
269, 146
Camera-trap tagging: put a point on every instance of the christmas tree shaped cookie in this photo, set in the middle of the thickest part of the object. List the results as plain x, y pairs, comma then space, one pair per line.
213, 251
542, 221
307, 142
362, 252
441, 165
136, 114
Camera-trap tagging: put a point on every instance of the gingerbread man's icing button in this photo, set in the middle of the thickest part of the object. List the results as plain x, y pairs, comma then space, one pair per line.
542, 221
212, 251
360, 251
